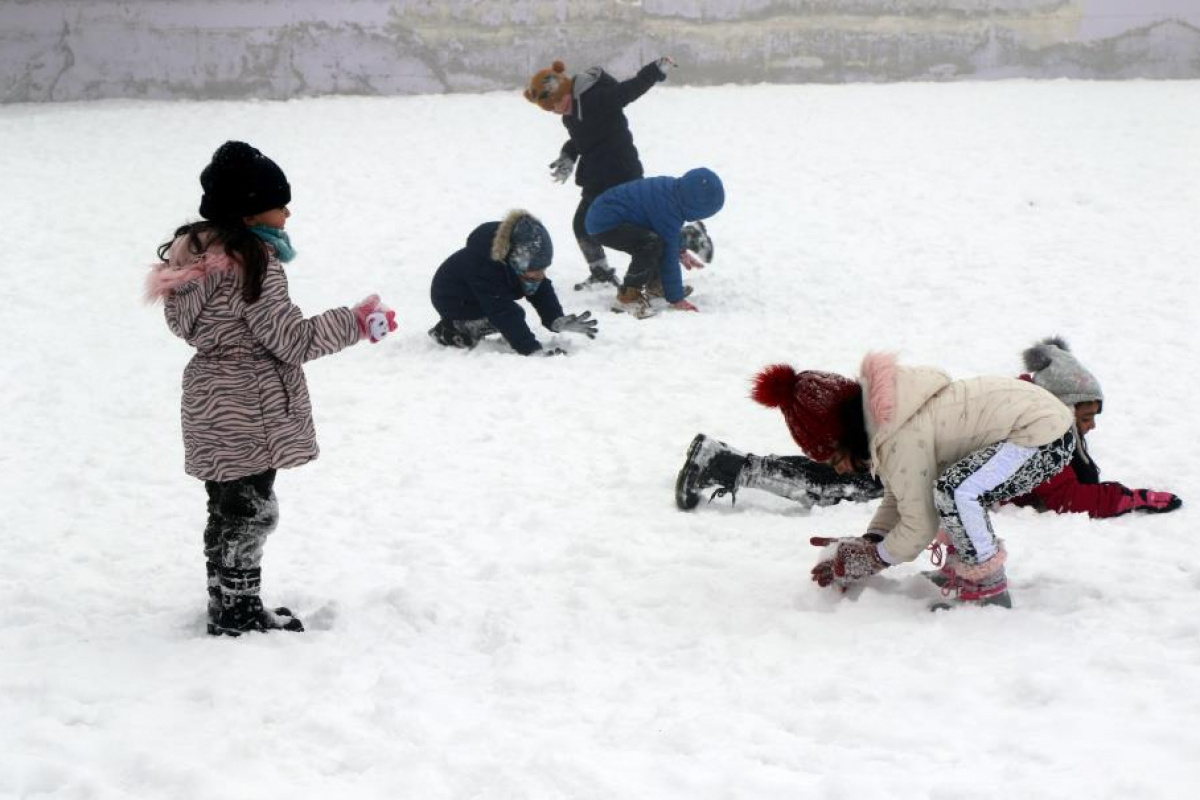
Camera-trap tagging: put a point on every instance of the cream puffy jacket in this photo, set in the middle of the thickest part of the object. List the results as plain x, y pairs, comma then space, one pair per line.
919, 422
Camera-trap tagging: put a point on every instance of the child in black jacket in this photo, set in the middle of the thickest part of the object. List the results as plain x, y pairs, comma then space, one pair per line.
475, 290
592, 107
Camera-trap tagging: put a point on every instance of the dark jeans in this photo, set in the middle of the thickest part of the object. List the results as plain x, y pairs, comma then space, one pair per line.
644, 245
241, 513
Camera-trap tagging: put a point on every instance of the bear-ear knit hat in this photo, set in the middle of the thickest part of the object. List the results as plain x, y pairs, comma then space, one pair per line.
817, 406
241, 182
548, 86
522, 242
1055, 369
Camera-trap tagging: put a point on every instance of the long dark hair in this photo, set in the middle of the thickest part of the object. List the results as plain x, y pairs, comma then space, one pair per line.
240, 244
855, 425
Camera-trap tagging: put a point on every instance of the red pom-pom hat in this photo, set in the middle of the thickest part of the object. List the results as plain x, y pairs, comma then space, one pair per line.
813, 405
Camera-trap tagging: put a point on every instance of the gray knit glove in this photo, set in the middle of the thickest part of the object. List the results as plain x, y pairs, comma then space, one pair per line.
576, 323
561, 168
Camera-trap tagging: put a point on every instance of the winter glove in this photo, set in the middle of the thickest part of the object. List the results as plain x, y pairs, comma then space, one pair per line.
375, 320
856, 559
665, 65
561, 168
576, 323
684, 305
689, 261
1148, 500
554, 351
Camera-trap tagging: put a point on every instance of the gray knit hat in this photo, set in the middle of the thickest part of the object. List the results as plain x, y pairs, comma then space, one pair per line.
1055, 369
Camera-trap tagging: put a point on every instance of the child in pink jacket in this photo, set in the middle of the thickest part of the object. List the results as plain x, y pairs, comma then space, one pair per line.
246, 408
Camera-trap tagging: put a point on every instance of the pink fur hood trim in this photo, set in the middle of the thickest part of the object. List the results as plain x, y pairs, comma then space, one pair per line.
184, 267
878, 373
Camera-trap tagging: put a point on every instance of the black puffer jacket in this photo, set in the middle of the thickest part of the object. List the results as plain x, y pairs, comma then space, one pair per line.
471, 285
599, 131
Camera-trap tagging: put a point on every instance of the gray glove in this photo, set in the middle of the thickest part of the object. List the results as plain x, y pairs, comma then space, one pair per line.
554, 351
665, 65
576, 323
561, 168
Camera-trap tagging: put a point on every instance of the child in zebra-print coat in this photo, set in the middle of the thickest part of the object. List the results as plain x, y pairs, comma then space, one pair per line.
246, 408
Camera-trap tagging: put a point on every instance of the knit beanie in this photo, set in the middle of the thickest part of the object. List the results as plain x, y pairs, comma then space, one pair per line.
701, 193
522, 242
1055, 369
548, 86
818, 407
241, 182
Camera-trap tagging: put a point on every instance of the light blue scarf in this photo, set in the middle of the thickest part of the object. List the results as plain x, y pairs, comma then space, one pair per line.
277, 238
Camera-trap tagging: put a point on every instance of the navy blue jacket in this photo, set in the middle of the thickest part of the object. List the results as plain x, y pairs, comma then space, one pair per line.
661, 205
470, 285
599, 131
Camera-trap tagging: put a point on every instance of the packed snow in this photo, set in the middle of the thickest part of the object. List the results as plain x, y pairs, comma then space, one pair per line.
502, 599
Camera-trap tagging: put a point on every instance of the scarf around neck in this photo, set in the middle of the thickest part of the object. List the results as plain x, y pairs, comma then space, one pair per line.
278, 239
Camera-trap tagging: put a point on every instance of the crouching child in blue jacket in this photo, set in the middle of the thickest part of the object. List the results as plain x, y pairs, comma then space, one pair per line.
475, 290
645, 218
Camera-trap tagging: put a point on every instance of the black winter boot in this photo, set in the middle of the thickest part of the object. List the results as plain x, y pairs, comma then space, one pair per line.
709, 463
599, 274
242, 609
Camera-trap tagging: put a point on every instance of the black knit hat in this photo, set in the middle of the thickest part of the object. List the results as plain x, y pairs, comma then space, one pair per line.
241, 182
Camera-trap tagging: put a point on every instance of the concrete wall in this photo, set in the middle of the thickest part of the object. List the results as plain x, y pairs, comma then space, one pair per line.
80, 49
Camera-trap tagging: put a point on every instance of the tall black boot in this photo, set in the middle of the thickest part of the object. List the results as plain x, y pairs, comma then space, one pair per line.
242, 609
709, 462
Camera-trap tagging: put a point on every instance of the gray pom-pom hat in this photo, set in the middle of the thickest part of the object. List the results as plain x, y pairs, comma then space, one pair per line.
1054, 367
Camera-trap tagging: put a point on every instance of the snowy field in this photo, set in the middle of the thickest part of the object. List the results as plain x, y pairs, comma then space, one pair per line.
502, 599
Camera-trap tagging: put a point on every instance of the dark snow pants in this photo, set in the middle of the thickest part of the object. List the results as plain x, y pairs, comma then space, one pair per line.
241, 514
644, 245
806, 481
592, 251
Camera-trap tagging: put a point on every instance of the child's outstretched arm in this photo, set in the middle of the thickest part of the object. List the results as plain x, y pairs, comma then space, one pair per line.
633, 88
276, 322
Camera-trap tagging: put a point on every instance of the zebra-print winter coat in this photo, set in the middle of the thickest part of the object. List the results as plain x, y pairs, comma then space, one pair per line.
246, 407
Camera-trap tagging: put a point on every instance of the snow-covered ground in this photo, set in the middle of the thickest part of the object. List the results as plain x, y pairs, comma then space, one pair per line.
502, 599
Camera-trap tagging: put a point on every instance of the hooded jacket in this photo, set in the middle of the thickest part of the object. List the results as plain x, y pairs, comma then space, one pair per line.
599, 130
245, 405
919, 422
662, 205
476, 282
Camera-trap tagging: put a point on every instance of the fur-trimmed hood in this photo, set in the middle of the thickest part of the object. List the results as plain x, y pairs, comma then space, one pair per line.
184, 266
885, 407
502, 240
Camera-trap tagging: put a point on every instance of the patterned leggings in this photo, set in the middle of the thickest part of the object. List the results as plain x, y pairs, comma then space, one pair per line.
991, 474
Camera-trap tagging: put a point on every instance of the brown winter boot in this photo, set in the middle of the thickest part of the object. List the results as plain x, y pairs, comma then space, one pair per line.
631, 300
654, 289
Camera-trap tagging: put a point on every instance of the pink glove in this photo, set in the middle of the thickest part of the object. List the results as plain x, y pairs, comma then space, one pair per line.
689, 261
375, 320
683, 305
856, 559
1149, 501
